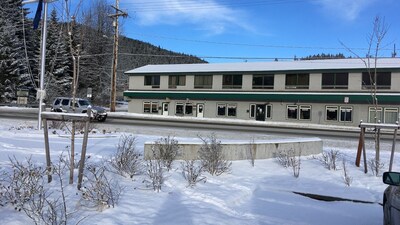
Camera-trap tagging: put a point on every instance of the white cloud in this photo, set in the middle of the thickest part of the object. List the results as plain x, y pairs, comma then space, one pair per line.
346, 9
207, 15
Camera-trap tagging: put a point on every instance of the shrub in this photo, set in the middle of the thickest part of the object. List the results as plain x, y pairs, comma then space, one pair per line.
166, 149
126, 159
192, 172
211, 156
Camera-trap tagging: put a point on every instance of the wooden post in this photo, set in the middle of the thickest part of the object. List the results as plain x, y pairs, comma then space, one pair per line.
360, 147
83, 153
393, 149
364, 153
47, 149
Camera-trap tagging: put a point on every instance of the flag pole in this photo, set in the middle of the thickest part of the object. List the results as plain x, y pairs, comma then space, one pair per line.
41, 92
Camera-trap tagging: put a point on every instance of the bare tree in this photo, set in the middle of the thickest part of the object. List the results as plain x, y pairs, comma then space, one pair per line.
211, 156
375, 39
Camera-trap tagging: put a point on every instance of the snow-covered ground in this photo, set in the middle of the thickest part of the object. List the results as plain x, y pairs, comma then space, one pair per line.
262, 194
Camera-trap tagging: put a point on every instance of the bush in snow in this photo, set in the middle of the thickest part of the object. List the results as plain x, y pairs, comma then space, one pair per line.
346, 177
155, 172
27, 192
375, 166
251, 152
98, 190
288, 158
126, 161
192, 172
211, 156
166, 149
329, 159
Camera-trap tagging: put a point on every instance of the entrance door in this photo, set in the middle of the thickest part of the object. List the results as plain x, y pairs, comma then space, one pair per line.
200, 110
260, 112
165, 107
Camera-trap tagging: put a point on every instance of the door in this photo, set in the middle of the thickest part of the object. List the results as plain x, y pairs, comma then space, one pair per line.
165, 107
200, 110
260, 112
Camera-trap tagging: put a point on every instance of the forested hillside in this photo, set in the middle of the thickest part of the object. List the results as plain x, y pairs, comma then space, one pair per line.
85, 43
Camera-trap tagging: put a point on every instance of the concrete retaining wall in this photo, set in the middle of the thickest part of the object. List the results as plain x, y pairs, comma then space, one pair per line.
243, 151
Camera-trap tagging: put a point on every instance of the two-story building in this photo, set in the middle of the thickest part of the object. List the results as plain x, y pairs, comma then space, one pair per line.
336, 91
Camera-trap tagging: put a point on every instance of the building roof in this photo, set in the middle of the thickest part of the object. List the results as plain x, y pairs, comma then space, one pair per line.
282, 66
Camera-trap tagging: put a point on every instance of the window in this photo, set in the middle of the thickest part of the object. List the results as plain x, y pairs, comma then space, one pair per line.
269, 111
297, 81
188, 109
305, 112
232, 110
232, 81
332, 113
179, 109
346, 113
372, 115
176, 80
335, 80
263, 81
221, 109
203, 81
292, 112
153, 80
383, 80
252, 111
150, 107
65, 102
391, 115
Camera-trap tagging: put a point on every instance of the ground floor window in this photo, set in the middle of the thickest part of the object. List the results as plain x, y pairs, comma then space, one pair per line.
346, 114
221, 109
269, 111
383, 115
391, 115
188, 109
226, 109
179, 109
183, 109
150, 107
375, 115
332, 113
292, 111
252, 110
232, 110
305, 112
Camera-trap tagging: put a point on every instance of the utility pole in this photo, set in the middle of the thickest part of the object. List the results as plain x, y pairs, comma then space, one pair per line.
117, 14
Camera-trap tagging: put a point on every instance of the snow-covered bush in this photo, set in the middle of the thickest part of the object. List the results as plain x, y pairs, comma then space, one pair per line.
211, 156
155, 172
288, 158
329, 159
376, 166
166, 149
251, 152
346, 176
126, 160
98, 190
192, 172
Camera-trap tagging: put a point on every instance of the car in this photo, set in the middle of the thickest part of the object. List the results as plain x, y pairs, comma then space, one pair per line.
391, 198
64, 104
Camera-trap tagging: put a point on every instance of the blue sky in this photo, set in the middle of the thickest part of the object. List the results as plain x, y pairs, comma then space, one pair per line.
219, 30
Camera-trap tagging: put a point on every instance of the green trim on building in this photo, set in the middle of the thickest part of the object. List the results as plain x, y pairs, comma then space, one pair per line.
267, 97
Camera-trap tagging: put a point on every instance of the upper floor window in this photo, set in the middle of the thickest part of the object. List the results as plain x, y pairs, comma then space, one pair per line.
203, 81
383, 80
176, 80
263, 81
152, 80
297, 81
232, 81
335, 80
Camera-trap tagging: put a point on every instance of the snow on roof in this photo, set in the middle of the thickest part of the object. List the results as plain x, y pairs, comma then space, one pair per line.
327, 64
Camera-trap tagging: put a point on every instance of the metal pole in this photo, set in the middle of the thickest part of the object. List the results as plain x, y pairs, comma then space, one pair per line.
42, 64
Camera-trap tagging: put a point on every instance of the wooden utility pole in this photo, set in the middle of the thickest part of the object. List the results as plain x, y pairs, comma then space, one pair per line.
117, 14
